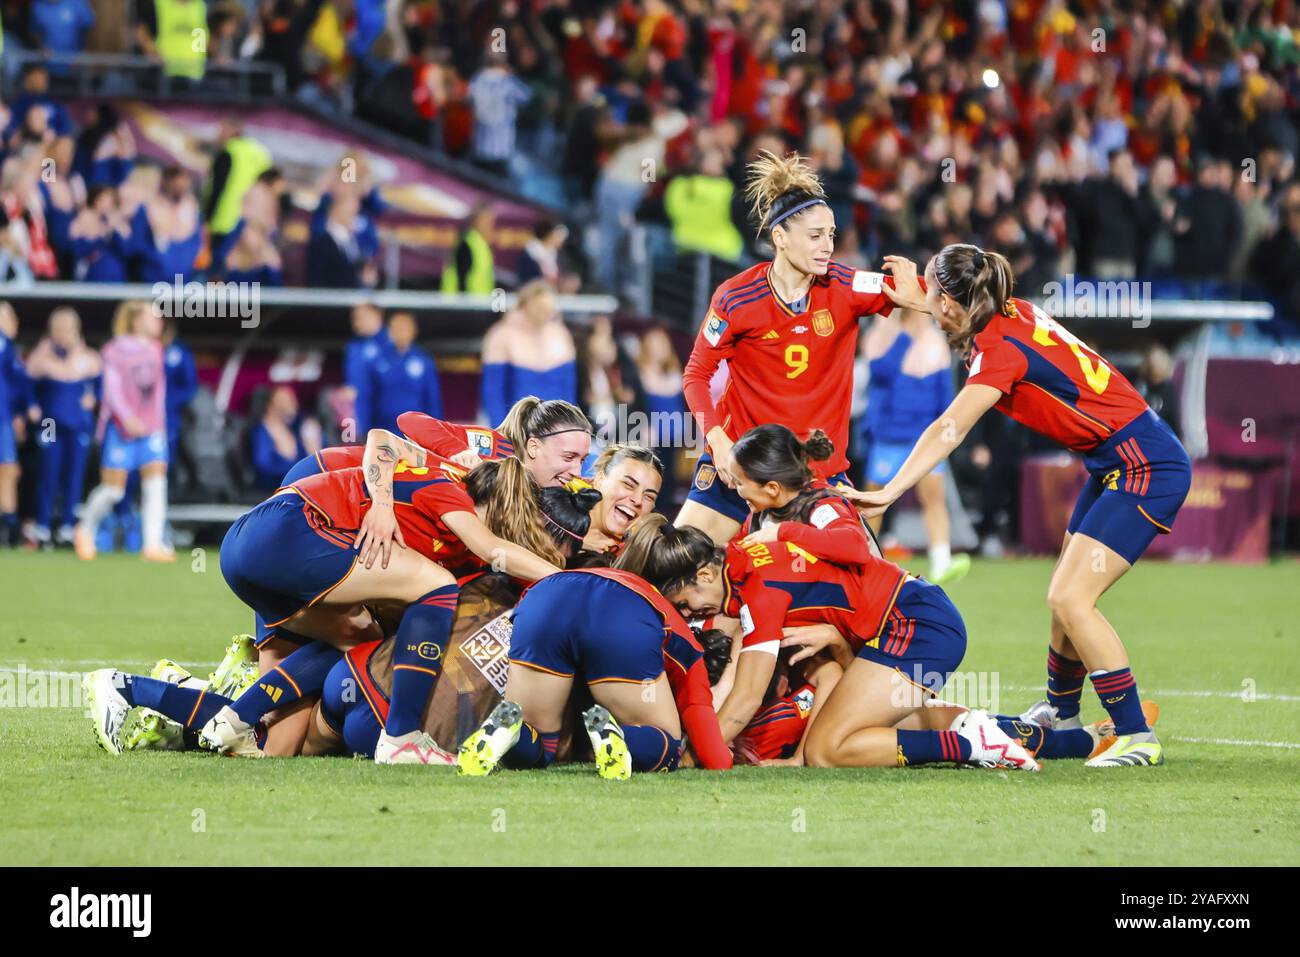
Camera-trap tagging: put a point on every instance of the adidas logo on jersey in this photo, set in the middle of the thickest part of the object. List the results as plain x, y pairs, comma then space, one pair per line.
772, 334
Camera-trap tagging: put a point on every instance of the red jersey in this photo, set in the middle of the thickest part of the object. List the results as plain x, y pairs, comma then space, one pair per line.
1050, 381
834, 531
770, 587
447, 438
421, 497
684, 667
340, 457
791, 368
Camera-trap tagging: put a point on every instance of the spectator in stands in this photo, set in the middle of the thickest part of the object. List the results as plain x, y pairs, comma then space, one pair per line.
496, 94
280, 439
660, 370
1155, 380
62, 194
1112, 220
699, 206
169, 31
65, 379
105, 148
1161, 197
239, 161
608, 384
22, 219
1276, 262
471, 266
404, 377
336, 252
1208, 223
352, 174
250, 251
167, 230
540, 258
100, 239
582, 141
133, 427
60, 26
529, 351
368, 347
13, 406
35, 93
182, 385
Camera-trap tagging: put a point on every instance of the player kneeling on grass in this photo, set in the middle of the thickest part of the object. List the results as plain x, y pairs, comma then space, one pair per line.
908, 635
644, 666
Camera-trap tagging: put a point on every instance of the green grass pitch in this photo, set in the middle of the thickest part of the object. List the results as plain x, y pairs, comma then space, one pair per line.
1202, 639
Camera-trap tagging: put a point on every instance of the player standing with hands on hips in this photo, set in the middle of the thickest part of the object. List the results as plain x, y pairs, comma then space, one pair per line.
788, 330
1023, 362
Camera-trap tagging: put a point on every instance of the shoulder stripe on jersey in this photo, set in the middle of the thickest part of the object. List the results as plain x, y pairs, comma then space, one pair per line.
731, 296
753, 297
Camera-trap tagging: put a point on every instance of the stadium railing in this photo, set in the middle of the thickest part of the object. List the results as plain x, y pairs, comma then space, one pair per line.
122, 74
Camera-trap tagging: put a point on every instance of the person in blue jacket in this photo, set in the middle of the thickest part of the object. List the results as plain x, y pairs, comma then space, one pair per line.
369, 345
65, 375
910, 386
182, 382
99, 239
280, 439
528, 352
405, 378
14, 388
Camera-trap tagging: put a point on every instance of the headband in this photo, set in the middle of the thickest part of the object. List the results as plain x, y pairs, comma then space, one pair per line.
790, 212
547, 435
559, 526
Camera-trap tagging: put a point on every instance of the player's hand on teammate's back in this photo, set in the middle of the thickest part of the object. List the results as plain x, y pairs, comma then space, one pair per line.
809, 639
763, 536
906, 291
869, 503
375, 538
467, 460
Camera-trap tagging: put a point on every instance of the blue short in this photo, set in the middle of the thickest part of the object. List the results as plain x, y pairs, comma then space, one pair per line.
131, 454
884, 459
924, 637
712, 492
573, 622
280, 558
1137, 481
345, 708
8, 447
304, 468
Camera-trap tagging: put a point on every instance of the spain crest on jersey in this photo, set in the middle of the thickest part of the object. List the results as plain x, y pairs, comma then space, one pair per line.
823, 322
704, 477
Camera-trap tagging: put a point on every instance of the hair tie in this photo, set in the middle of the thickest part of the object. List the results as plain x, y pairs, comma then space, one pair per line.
979, 259
576, 485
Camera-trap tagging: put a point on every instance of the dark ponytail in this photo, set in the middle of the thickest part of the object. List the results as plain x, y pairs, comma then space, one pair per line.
980, 282
772, 453
666, 556
566, 512
717, 652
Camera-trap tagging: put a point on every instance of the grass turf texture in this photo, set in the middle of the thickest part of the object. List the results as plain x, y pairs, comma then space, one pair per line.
1189, 628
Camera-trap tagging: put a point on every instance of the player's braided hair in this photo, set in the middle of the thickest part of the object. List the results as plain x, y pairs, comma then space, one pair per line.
978, 281
531, 418
773, 453
781, 187
667, 556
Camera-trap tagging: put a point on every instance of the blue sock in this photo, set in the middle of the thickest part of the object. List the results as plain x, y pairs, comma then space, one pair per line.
10, 522
534, 749
192, 707
301, 673
653, 748
1118, 692
1045, 742
418, 648
925, 747
1064, 683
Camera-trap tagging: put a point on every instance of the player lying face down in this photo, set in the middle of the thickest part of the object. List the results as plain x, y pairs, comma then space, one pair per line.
644, 667
628, 478
906, 635
443, 522
356, 718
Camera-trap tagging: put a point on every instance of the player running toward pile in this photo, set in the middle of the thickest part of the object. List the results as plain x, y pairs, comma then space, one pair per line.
644, 666
788, 330
1023, 362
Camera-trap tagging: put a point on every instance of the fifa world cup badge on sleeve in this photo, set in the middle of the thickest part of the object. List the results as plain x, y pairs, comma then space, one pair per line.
714, 327
480, 442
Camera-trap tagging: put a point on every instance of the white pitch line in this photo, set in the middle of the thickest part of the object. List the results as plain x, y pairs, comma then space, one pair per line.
1291, 745
1175, 693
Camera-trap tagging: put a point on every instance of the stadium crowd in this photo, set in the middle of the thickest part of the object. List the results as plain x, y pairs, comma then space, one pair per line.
1116, 140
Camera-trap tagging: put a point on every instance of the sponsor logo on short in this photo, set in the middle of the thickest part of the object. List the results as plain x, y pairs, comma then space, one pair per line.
78, 910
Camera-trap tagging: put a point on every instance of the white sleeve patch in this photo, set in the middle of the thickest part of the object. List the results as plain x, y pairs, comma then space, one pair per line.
823, 515
864, 281
975, 365
746, 621
714, 327
772, 648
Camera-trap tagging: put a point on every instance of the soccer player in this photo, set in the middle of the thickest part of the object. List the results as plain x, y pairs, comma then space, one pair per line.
788, 330
628, 478
644, 666
133, 427
1027, 365
327, 541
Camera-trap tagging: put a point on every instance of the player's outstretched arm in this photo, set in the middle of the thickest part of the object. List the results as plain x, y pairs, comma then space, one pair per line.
936, 443
514, 560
